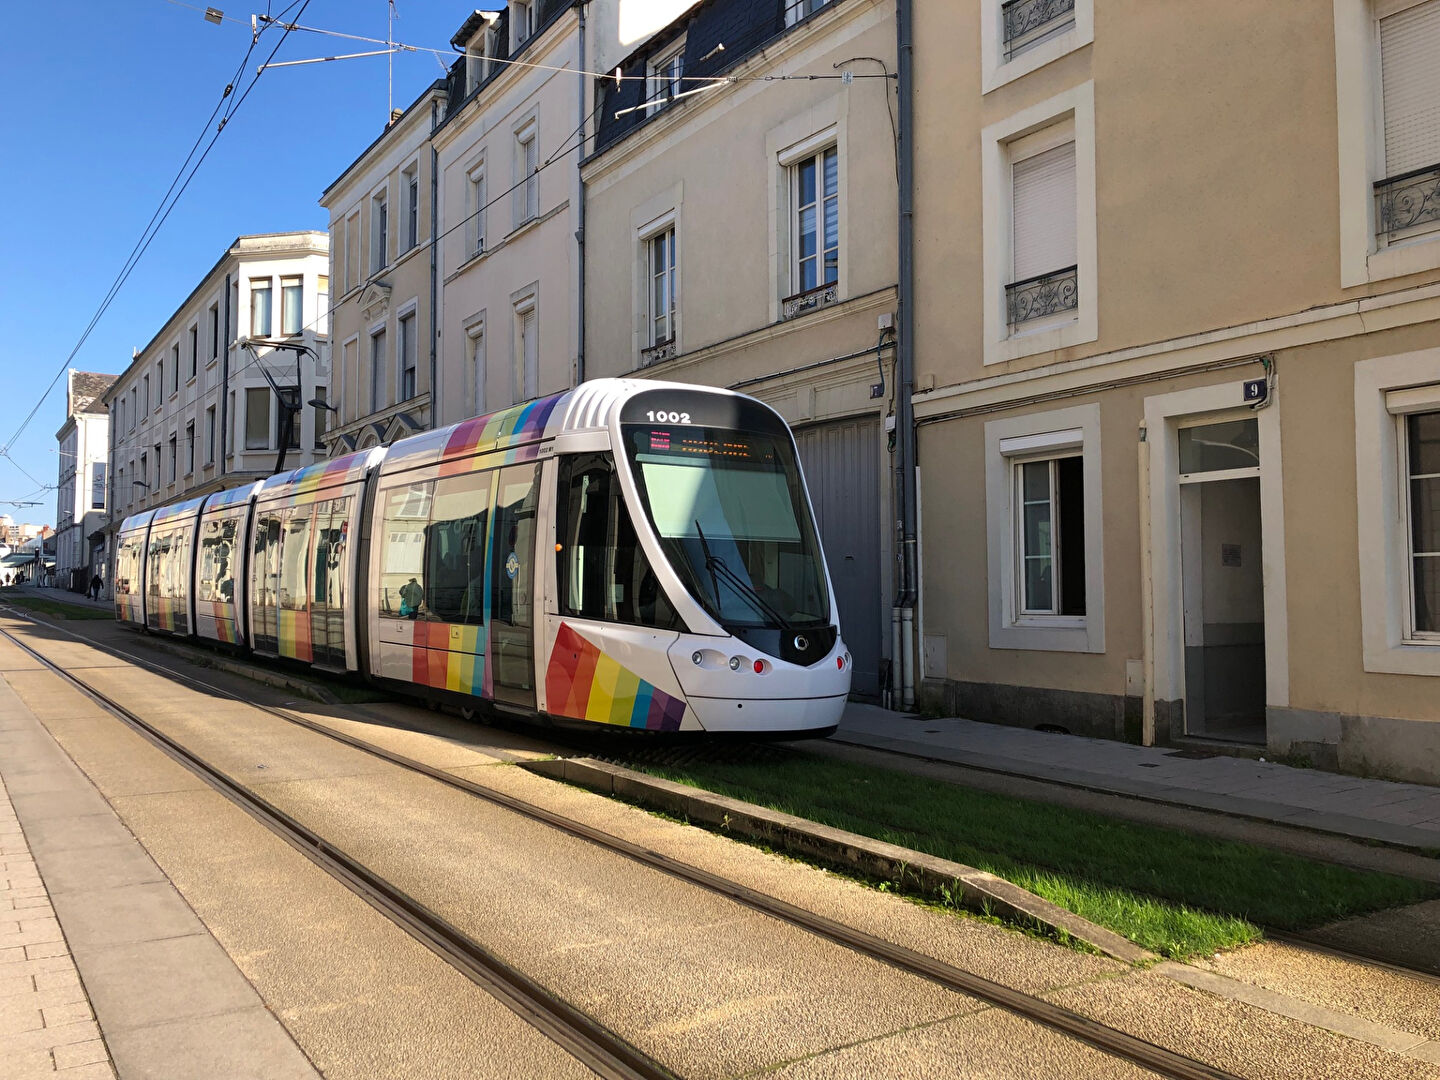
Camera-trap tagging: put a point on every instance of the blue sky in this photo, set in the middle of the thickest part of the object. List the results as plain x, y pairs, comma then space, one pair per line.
104, 98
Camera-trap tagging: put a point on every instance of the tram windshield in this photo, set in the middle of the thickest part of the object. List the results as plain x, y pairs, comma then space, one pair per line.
732, 519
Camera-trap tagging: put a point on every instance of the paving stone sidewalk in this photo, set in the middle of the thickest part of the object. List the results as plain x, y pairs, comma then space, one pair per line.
1392, 813
46, 1026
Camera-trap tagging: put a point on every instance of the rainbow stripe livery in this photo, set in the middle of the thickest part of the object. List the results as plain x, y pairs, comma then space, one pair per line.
519, 429
582, 683
451, 657
312, 478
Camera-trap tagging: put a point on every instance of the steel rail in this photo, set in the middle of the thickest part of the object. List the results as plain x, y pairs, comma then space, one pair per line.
1110, 1040
1302, 941
583, 1037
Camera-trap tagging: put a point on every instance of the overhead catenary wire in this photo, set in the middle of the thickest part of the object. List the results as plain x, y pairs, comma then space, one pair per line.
157, 220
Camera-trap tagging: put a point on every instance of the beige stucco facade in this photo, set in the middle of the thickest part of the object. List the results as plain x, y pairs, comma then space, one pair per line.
717, 172
383, 323
1225, 157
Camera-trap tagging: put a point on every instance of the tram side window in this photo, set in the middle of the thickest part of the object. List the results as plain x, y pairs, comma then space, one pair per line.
267, 542
601, 568
331, 536
294, 556
402, 550
216, 576
159, 576
455, 549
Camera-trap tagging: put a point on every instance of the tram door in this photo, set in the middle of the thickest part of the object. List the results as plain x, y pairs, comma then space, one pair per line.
265, 581
512, 589
327, 588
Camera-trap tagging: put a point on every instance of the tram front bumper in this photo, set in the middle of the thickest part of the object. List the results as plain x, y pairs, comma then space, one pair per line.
726, 693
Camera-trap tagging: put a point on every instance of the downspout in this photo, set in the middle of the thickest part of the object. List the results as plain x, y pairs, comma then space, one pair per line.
434, 270
581, 83
905, 464
1147, 595
225, 380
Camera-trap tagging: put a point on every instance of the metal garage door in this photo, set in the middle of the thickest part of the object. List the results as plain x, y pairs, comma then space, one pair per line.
842, 469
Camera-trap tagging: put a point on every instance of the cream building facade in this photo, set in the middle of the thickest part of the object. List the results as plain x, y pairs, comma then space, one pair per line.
83, 487
740, 231
197, 408
382, 265
1178, 371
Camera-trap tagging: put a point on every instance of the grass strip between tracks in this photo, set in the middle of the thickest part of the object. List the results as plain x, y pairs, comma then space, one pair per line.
1174, 893
58, 609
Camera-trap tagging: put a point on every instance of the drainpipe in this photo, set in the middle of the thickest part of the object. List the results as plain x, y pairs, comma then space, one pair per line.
908, 592
434, 270
582, 84
1147, 595
225, 379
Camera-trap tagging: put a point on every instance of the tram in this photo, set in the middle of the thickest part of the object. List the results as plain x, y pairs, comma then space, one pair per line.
631, 554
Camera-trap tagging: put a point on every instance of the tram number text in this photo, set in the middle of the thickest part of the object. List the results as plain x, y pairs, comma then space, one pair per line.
663, 417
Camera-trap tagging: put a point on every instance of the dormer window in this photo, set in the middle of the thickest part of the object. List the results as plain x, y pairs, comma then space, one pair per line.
522, 23
666, 72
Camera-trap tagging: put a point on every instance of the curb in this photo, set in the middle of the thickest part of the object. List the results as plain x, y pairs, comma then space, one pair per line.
976, 890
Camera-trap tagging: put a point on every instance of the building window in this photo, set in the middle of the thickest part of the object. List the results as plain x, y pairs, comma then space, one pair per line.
322, 417
143, 471
259, 307
1043, 276
147, 392
290, 417
476, 209
1028, 23
475, 352
665, 72
190, 448
1422, 465
257, 418
526, 372
175, 368
661, 250
522, 23
527, 166
173, 461
377, 370
1050, 535
292, 310
815, 222
210, 435
795, 10
322, 304
407, 357
159, 383
410, 181
214, 333
379, 232
1407, 198
352, 251
1043, 513
134, 410
97, 485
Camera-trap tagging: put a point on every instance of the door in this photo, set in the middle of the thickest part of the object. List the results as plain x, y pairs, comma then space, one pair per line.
265, 582
842, 470
1222, 582
512, 576
329, 573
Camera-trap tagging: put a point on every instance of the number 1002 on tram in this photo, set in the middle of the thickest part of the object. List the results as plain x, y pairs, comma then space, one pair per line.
633, 554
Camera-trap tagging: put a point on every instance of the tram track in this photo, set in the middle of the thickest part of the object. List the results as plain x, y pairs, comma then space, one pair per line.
596, 1046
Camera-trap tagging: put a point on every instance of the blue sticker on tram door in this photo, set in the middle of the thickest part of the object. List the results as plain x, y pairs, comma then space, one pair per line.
512, 565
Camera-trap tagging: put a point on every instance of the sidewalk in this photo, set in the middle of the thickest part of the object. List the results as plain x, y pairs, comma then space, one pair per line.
1377, 810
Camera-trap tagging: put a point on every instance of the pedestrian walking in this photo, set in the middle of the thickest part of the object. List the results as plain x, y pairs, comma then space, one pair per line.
95, 586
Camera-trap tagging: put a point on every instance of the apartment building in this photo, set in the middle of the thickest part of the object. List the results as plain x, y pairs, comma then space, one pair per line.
740, 231
241, 368
1177, 292
382, 221
506, 149
82, 490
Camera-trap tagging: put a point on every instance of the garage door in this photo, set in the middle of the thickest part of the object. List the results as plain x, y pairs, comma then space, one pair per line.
842, 469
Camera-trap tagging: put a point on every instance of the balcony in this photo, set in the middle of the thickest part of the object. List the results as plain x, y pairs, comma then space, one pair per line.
1408, 203
792, 307
1029, 22
1043, 295
660, 351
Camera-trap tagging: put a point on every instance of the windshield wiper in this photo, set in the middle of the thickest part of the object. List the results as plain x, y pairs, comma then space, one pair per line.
742, 588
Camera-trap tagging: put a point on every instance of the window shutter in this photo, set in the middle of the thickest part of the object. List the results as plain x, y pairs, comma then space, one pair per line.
1043, 210
531, 354
1410, 78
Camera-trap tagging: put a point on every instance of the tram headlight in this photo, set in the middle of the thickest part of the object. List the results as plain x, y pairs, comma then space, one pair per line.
735, 662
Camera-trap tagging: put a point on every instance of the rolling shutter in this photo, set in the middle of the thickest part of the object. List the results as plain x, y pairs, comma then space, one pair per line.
1044, 212
1410, 78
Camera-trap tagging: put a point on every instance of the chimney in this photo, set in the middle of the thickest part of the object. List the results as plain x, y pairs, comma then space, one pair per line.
395, 114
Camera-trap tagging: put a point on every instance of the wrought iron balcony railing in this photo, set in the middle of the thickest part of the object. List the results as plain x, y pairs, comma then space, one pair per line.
810, 300
1028, 22
1407, 202
1042, 295
661, 350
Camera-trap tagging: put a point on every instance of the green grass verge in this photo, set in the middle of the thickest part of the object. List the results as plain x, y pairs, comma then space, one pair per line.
1172, 892
58, 608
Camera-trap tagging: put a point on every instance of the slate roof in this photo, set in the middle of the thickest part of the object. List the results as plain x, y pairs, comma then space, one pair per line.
86, 387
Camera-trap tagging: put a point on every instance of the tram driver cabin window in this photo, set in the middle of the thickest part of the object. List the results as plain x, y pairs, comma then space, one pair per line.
1049, 498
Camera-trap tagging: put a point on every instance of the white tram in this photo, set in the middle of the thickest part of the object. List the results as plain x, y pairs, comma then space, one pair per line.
634, 554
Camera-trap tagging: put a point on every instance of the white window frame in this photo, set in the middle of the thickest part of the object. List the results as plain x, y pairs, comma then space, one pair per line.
1077, 108
527, 181
475, 364
798, 10
1070, 432
475, 209
996, 71
793, 179
377, 372
379, 229
408, 311
524, 378
354, 267
1020, 150
1387, 390
663, 84
517, 7
653, 232
1361, 141
410, 195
